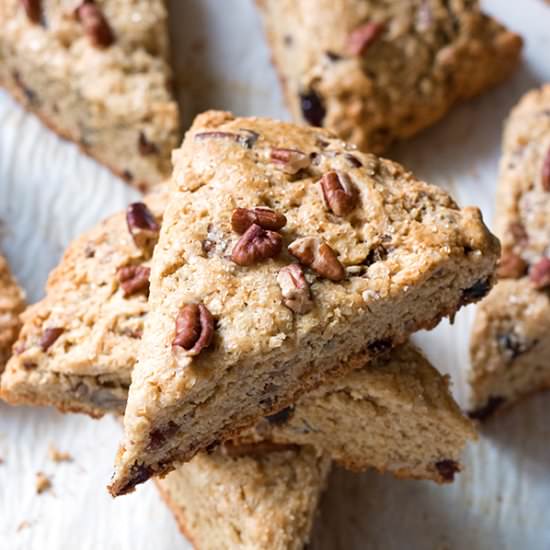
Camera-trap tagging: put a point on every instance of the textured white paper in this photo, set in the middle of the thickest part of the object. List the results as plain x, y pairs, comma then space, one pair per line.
49, 193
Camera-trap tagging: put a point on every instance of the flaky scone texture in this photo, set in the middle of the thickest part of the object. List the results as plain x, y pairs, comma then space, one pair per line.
374, 71
113, 98
87, 367
509, 343
12, 303
408, 254
394, 414
250, 502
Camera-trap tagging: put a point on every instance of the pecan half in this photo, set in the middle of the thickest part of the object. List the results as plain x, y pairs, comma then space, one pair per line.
134, 279
49, 336
319, 256
142, 225
194, 328
339, 192
539, 274
546, 172
291, 161
363, 37
511, 266
95, 25
146, 147
255, 245
266, 218
33, 9
295, 289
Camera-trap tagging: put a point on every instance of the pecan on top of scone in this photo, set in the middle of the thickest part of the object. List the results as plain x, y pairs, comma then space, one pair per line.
398, 258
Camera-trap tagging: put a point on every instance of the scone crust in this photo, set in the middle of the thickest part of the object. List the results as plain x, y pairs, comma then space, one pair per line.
419, 58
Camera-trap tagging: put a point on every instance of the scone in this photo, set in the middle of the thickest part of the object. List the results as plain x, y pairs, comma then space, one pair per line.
510, 335
254, 501
97, 73
285, 258
394, 415
374, 72
12, 302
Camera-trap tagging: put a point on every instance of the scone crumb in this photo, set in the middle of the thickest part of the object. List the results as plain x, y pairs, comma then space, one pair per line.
23, 525
43, 483
55, 455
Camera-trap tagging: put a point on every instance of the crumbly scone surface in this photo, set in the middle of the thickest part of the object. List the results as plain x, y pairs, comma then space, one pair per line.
265, 500
509, 346
400, 235
114, 101
376, 71
12, 302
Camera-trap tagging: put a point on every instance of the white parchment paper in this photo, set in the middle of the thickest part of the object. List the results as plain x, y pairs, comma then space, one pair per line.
49, 193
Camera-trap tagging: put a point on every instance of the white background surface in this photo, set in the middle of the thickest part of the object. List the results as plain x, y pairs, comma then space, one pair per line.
49, 193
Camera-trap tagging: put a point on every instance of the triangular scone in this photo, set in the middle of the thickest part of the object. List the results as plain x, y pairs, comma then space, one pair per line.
371, 417
346, 256
374, 72
97, 73
251, 502
510, 339
78, 345
395, 414
12, 303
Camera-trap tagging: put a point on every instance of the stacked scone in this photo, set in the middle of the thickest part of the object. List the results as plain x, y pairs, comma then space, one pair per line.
264, 336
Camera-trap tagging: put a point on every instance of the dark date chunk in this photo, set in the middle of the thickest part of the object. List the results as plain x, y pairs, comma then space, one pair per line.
476, 292
447, 469
159, 437
282, 417
483, 413
49, 336
146, 147
380, 346
139, 473
313, 109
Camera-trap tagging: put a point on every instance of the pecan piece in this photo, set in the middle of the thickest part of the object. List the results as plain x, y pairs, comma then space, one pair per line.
49, 336
95, 25
539, 274
291, 161
313, 109
255, 245
295, 289
134, 279
319, 256
266, 218
194, 328
363, 37
146, 147
511, 266
142, 225
339, 193
33, 9
546, 172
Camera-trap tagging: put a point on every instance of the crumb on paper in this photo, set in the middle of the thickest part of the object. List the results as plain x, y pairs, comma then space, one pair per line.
57, 456
23, 525
43, 483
